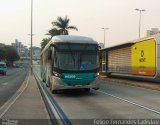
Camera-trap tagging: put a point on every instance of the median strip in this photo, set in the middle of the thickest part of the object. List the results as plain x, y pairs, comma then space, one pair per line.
56, 114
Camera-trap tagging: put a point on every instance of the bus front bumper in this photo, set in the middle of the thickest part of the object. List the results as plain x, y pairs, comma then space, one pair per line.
58, 84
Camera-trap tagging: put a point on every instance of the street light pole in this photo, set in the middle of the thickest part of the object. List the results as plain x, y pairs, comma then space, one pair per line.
105, 35
31, 34
140, 11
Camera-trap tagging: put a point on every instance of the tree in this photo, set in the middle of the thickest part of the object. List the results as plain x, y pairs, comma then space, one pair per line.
53, 32
11, 54
44, 42
8, 54
2, 54
60, 27
63, 25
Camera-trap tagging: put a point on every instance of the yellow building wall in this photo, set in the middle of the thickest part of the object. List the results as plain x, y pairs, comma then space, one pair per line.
144, 58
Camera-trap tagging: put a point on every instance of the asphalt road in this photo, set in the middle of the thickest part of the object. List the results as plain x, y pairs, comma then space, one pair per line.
10, 83
111, 101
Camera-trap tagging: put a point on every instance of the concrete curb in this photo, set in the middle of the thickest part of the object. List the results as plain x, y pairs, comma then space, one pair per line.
57, 115
140, 84
13, 99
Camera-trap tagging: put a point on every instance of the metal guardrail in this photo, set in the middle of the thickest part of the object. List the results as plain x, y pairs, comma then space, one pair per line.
56, 114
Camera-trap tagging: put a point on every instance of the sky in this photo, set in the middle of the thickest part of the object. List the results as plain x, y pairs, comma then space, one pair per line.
89, 16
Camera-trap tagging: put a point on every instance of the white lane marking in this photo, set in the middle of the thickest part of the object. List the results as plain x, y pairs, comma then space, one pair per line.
4, 84
133, 103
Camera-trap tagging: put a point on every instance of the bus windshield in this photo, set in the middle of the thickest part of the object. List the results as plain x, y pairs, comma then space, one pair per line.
2, 66
76, 61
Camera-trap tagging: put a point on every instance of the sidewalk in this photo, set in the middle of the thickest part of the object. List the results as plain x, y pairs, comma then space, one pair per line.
131, 82
29, 108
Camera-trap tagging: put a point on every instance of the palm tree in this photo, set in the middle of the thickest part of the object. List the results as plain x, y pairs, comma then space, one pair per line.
53, 32
63, 25
44, 42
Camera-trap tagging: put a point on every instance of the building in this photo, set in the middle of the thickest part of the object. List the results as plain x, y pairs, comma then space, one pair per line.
36, 52
21, 49
151, 32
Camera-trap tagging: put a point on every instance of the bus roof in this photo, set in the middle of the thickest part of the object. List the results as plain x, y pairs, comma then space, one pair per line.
69, 39
73, 39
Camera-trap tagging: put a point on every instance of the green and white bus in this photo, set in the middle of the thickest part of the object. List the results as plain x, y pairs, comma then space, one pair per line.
70, 62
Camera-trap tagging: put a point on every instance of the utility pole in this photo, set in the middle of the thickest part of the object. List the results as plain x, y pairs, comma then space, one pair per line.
31, 35
105, 35
140, 11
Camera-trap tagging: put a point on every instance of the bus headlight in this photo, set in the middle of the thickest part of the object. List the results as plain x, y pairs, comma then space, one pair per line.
57, 74
96, 74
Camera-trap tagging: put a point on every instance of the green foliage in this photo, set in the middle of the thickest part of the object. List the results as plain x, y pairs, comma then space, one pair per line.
60, 27
54, 32
2, 54
44, 42
63, 25
9, 54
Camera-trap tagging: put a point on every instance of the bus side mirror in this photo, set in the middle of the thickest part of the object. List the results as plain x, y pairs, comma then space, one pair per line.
49, 54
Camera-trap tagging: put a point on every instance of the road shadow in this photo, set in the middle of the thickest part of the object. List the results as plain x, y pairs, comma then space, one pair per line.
75, 93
